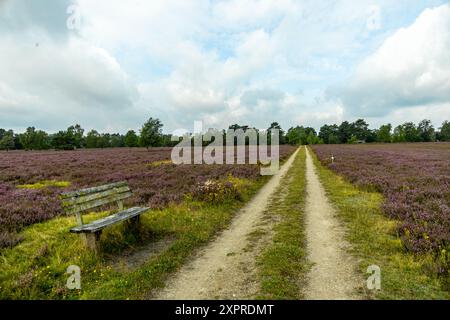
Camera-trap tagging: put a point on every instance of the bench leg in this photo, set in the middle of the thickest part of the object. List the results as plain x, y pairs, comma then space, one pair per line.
133, 223
92, 241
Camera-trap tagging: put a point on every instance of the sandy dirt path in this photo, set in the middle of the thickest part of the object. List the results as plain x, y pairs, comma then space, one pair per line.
333, 274
225, 269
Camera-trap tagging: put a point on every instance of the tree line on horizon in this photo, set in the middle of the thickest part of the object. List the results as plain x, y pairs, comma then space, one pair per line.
151, 135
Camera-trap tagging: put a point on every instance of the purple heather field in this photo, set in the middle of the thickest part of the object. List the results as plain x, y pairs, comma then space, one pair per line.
154, 180
415, 181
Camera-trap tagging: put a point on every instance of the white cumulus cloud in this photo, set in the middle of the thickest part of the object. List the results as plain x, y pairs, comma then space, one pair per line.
411, 68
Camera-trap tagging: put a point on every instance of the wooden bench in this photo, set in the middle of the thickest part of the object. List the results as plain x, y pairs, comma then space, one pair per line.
80, 201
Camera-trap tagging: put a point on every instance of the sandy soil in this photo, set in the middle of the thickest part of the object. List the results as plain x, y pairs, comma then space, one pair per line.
225, 269
333, 275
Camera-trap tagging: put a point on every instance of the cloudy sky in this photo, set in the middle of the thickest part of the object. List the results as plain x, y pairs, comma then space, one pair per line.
110, 64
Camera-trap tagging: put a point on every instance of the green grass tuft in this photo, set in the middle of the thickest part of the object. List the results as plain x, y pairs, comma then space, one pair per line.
160, 163
45, 184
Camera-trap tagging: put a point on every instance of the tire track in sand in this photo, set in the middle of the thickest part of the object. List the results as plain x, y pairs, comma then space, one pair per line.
333, 274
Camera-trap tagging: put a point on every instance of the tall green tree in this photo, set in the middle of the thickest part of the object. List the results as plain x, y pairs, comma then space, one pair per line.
411, 133
27, 138
300, 135
276, 125
425, 131
167, 141
333, 139
7, 141
70, 139
151, 133
384, 133
63, 140
17, 144
329, 133
360, 130
33, 139
444, 133
131, 139
399, 134
76, 135
92, 139
295, 135
104, 141
117, 140
345, 132
312, 138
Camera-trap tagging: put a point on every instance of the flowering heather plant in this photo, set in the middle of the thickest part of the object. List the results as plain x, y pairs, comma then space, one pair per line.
153, 185
214, 191
415, 180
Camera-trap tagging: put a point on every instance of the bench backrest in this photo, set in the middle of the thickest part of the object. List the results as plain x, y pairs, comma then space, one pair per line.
76, 202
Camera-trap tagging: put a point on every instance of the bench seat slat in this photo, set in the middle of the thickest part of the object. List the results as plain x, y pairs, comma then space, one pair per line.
102, 194
87, 191
97, 203
100, 224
